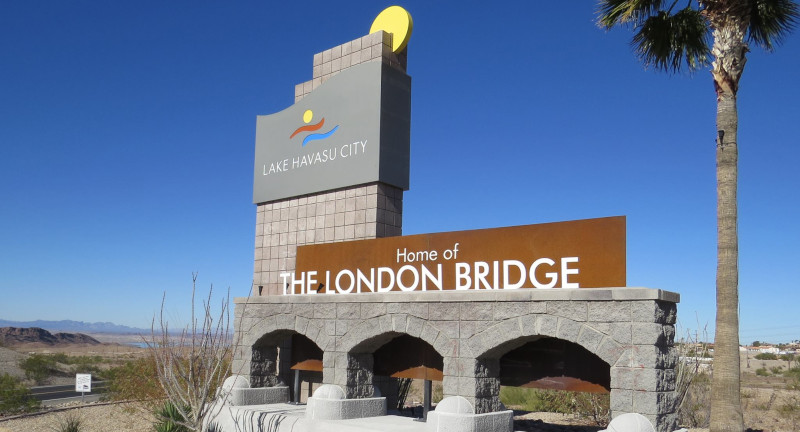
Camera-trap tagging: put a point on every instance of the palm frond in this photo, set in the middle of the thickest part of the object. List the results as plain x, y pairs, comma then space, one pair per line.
771, 21
668, 42
635, 12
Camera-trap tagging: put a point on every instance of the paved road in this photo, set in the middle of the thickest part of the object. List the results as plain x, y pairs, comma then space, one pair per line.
50, 395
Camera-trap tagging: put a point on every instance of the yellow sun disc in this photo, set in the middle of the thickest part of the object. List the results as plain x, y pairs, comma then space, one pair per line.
307, 116
398, 22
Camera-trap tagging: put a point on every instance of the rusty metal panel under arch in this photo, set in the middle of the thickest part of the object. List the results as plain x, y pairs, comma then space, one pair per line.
557, 364
408, 357
306, 355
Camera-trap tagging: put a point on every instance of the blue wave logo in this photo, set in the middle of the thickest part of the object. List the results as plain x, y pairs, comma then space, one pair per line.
308, 115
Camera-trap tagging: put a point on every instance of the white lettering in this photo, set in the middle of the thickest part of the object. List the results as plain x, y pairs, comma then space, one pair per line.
506, 279
311, 282
565, 271
403, 286
553, 276
339, 285
463, 281
481, 271
428, 276
362, 278
285, 276
409, 257
381, 286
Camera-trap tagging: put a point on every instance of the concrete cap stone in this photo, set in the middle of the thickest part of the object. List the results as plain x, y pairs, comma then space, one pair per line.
455, 405
630, 422
235, 381
329, 391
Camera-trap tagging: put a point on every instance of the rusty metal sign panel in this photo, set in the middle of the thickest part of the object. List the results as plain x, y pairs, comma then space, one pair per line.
586, 253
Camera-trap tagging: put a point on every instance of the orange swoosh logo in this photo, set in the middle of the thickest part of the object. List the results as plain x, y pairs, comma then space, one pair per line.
309, 128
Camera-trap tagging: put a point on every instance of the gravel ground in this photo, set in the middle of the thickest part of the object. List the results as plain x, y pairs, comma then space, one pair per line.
9, 361
549, 422
94, 418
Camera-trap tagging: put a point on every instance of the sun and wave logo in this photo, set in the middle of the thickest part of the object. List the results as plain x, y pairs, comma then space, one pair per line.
307, 117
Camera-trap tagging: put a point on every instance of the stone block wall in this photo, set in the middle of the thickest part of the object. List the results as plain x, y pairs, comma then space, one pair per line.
630, 329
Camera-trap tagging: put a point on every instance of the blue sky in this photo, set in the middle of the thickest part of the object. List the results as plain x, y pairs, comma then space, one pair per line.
127, 138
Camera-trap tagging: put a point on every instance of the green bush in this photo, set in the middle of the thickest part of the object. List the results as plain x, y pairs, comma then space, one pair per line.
169, 419
38, 367
590, 406
766, 356
135, 380
15, 398
793, 373
762, 372
60, 358
69, 422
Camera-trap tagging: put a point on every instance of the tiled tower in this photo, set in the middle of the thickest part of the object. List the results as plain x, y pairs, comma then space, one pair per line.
364, 211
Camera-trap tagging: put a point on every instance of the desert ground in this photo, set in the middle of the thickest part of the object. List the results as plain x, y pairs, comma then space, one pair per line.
766, 400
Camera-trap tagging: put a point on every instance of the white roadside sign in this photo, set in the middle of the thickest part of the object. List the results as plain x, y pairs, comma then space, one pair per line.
83, 383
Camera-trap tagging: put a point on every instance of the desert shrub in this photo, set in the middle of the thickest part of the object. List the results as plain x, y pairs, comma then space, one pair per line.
762, 372
776, 370
38, 367
69, 422
60, 358
170, 418
694, 411
534, 399
15, 398
437, 392
593, 407
135, 380
87, 364
790, 409
766, 356
193, 363
793, 373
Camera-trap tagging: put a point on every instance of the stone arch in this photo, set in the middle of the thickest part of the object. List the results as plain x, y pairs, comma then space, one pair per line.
514, 332
488, 346
270, 349
369, 331
360, 342
304, 326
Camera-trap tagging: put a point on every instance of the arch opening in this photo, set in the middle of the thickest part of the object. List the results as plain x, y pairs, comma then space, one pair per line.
278, 356
408, 357
388, 362
551, 363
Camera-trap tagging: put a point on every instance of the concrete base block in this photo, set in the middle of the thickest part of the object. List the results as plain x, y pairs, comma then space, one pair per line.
456, 414
343, 409
259, 396
500, 421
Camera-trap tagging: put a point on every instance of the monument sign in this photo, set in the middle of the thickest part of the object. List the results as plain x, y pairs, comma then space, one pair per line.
346, 306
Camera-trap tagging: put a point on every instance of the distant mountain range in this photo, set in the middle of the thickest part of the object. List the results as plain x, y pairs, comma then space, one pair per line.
76, 326
15, 336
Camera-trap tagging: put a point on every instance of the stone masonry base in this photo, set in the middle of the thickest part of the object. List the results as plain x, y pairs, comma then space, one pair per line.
630, 329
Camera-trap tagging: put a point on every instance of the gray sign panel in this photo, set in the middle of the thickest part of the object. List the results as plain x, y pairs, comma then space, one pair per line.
353, 129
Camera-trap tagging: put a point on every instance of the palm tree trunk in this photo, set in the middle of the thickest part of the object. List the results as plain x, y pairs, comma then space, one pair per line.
726, 412
729, 53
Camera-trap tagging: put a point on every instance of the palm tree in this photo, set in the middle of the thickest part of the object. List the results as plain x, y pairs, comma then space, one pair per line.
670, 40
